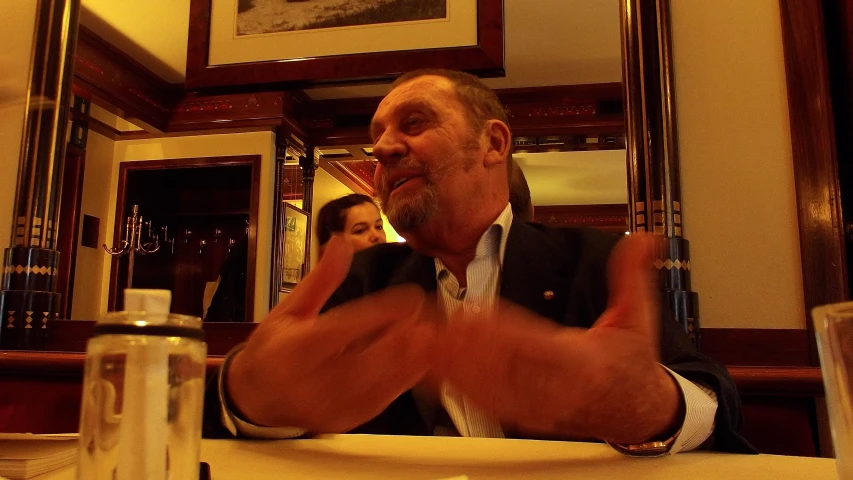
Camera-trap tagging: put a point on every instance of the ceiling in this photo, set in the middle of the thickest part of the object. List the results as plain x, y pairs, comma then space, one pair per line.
548, 42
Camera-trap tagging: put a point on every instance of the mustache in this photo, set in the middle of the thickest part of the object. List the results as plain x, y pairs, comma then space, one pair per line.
408, 163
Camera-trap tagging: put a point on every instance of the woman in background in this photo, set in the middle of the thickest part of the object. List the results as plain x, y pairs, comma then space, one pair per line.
355, 218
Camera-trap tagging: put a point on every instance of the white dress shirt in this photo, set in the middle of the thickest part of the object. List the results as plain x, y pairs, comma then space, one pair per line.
479, 298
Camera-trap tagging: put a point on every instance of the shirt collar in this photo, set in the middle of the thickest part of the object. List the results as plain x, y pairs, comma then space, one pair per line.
493, 241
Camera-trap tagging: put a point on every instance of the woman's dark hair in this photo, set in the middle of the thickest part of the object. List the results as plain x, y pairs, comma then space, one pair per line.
333, 216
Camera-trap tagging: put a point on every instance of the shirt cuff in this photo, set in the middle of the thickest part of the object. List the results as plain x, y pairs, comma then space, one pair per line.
700, 410
236, 425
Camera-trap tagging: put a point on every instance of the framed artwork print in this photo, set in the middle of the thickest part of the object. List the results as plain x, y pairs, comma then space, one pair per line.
298, 43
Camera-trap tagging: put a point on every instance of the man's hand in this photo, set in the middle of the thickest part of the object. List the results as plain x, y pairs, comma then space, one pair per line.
333, 372
550, 380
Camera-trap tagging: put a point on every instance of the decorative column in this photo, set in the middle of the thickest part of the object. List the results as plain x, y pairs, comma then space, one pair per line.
29, 298
654, 186
309, 163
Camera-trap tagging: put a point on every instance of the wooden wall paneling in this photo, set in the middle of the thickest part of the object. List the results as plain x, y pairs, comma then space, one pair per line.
118, 83
815, 162
780, 425
757, 346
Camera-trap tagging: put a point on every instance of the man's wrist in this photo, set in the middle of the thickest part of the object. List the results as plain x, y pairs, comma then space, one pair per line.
660, 412
238, 391
673, 408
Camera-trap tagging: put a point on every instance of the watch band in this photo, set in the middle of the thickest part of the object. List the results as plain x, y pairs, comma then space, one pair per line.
657, 448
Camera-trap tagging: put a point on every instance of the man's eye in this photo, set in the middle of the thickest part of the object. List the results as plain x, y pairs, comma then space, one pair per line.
379, 227
413, 121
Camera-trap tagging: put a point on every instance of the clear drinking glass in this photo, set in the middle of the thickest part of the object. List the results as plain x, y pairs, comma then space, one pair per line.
834, 330
143, 392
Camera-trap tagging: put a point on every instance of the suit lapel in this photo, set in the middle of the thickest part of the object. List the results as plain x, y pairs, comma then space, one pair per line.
534, 272
418, 269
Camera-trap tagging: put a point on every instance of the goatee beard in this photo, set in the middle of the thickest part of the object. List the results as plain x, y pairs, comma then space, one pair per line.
406, 213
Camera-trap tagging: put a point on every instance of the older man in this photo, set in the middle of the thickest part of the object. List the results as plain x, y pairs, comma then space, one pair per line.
479, 325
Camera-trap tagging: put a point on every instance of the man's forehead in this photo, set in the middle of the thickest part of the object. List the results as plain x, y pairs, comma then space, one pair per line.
418, 88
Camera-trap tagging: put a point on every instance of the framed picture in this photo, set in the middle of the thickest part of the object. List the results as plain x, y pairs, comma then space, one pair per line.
296, 43
294, 231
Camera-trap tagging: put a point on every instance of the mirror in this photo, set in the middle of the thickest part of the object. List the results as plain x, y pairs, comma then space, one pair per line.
561, 91
545, 46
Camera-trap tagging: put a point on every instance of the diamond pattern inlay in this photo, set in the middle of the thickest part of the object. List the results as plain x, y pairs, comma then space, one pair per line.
669, 264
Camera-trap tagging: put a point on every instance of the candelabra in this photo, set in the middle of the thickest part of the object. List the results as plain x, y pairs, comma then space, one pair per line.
133, 243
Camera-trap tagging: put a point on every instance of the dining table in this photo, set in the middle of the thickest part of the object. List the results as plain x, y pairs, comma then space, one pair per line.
378, 457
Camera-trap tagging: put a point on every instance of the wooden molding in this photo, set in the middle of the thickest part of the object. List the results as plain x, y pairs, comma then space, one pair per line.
595, 109
749, 380
608, 217
117, 82
102, 128
202, 112
815, 162
730, 346
805, 381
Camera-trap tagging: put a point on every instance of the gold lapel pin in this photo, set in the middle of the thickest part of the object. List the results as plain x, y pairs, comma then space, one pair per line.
548, 295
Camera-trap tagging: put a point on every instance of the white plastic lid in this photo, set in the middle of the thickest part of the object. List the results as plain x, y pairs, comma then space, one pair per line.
156, 302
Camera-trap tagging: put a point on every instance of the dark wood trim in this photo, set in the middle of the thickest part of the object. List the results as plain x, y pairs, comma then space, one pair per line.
730, 346
805, 381
145, 135
757, 347
778, 380
115, 81
62, 364
204, 112
593, 109
102, 128
201, 162
69, 224
815, 163
484, 59
252, 256
356, 174
608, 217
71, 335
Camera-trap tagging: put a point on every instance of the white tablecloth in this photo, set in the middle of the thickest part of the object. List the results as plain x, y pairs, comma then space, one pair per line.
355, 457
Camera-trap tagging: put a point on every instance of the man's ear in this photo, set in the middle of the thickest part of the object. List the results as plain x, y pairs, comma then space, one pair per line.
500, 142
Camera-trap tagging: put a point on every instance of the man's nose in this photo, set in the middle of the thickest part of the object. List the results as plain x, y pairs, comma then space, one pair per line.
389, 148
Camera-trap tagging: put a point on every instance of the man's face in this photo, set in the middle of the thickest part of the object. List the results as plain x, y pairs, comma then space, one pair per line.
425, 147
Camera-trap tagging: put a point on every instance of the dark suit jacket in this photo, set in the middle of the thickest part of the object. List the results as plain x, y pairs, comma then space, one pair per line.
571, 263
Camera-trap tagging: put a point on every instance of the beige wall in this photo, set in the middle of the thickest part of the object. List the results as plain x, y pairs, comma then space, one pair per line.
327, 188
18, 23
736, 165
254, 143
90, 264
